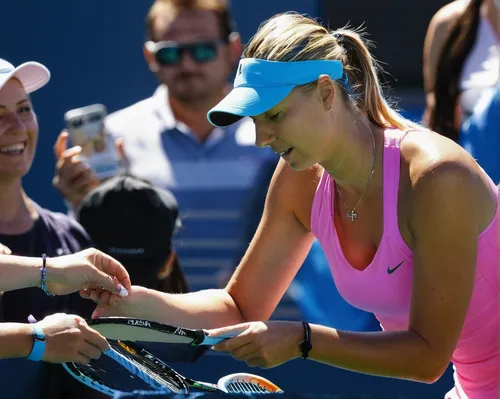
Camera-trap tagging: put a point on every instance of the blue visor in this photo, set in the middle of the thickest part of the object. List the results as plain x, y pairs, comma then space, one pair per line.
260, 85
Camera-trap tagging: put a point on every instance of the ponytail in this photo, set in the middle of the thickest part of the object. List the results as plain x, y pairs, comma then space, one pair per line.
294, 37
362, 70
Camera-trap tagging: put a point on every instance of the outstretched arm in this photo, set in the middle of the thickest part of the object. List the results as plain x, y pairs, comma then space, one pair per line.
16, 340
68, 338
18, 272
276, 252
64, 274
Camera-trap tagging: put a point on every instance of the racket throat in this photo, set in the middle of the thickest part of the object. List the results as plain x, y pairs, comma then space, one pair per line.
205, 386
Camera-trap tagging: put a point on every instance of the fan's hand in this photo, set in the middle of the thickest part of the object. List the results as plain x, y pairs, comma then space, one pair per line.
69, 339
85, 269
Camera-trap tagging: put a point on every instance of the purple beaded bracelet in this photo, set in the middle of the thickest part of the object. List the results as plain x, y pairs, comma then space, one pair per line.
43, 284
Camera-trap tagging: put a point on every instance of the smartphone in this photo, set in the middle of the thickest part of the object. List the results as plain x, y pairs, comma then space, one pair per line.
86, 129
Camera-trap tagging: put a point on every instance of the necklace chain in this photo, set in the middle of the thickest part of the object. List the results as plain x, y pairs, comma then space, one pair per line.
353, 215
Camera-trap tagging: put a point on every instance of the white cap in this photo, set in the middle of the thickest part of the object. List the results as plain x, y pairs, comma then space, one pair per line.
32, 75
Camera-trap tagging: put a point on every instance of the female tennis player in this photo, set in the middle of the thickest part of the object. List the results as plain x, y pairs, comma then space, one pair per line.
406, 217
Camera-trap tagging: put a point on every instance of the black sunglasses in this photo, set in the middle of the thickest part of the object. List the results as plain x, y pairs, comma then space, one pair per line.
170, 53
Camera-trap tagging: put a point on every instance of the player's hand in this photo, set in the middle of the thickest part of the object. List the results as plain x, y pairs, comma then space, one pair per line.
86, 269
70, 339
4, 250
74, 178
261, 344
133, 305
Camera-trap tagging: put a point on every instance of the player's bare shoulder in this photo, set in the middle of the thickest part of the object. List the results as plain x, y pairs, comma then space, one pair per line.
428, 152
437, 166
295, 189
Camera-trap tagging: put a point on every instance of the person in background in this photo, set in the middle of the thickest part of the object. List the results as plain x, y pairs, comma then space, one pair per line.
481, 133
134, 222
461, 61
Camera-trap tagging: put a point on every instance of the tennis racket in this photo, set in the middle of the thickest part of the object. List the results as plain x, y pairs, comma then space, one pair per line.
139, 330
127, 367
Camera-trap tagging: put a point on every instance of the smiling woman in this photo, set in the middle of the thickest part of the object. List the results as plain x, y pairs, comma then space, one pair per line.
29, 230
18, 124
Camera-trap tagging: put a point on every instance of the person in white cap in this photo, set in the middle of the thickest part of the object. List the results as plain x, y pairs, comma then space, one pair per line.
36, 237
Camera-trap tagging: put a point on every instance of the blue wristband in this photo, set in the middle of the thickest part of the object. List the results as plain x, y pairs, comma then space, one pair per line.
38, 344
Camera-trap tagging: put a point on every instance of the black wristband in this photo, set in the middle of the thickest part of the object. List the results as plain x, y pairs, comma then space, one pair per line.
306, 345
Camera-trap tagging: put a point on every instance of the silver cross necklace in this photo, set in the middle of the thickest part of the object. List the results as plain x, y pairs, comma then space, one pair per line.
353, 215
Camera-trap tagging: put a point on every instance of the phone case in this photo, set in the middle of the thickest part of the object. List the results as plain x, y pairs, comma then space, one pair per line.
87, 130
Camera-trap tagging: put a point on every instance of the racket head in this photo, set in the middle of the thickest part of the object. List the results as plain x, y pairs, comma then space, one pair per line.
247, 383
107, 375
82, 375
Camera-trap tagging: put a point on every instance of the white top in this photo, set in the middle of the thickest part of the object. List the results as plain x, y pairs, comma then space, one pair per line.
481, 70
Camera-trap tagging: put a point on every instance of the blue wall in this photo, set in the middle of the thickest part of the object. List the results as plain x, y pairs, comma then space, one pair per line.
94, 51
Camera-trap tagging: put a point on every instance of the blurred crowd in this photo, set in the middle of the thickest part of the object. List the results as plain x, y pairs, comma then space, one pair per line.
181, 199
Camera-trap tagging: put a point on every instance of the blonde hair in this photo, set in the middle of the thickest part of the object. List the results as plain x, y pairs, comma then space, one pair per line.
294, 37
169, 9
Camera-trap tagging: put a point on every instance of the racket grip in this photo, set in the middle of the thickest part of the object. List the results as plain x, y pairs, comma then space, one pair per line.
211, 341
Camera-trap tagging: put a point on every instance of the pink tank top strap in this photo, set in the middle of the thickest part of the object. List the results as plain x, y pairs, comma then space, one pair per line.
321, 205
392, 163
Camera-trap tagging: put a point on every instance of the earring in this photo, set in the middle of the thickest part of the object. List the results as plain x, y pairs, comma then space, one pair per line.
329, 107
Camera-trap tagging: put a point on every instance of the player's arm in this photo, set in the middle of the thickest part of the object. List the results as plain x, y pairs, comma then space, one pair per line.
276, 252
16, 340
18, 272
437, 33
444, 224
279, 247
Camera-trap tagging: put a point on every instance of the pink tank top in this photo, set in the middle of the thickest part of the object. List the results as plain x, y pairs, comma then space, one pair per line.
384, 287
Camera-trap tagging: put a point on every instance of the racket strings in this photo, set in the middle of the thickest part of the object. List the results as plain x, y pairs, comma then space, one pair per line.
245, 387
94, 376
151, 366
